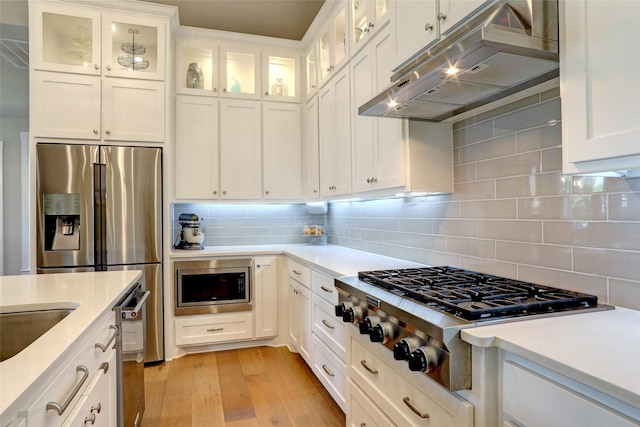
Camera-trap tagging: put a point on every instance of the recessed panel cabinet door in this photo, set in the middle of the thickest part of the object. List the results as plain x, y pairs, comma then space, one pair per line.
68, 106
133, 110
599, 85
196, 147
240, 150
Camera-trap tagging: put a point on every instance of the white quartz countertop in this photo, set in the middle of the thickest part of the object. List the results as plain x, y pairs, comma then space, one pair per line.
90, 294
599, 349
332, 259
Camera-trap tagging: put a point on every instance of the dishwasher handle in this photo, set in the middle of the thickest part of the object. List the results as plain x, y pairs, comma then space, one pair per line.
135, 312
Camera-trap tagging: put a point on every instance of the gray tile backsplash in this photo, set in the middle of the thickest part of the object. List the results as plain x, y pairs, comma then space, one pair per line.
512, 212
248, 224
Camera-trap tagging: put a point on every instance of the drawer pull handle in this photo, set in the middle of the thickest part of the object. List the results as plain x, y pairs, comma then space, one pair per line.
328, 371
61, 408
90, 419
327, 324
363, 424
105, 367
214, 329
326, 289
297, 272
97, 408
371, 371
407, 402
104, 347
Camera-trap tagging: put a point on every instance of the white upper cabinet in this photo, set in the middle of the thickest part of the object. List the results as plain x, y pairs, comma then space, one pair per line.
311, 64
312, 154
197, 67
367, 17
240, 71
133, 47
421, 23
74, 39
333, 44
599, 86
282, 151
280, 75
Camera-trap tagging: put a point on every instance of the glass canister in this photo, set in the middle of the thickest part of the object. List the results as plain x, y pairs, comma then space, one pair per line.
195, 78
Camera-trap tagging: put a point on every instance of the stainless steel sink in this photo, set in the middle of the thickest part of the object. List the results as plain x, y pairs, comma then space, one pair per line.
18, 330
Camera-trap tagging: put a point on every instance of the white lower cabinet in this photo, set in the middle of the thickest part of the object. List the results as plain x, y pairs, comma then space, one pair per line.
265, 300
331, 371
405, 397
213, 328
533, 396
362, 411
300, 318
85, 378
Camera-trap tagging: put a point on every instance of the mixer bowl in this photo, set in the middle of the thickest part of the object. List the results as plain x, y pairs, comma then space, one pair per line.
193, 235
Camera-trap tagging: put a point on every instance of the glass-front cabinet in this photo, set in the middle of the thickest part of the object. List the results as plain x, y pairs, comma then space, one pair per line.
133, 47
86, 41
280, 74
70, 43
240, 71
333, 45
311, 63
196, 67
367, 17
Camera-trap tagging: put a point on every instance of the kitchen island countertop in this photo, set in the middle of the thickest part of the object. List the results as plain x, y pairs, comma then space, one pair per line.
91, 294
598, 349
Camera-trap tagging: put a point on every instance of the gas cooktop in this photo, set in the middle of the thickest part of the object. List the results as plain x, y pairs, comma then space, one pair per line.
476, 296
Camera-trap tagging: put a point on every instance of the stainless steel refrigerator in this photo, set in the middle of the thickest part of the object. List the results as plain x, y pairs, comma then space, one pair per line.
100, 208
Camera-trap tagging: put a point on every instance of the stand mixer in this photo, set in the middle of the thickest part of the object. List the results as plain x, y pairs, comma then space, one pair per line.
192, 235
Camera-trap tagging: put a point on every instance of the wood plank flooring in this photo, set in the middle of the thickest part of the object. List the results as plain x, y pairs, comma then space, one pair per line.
252, 387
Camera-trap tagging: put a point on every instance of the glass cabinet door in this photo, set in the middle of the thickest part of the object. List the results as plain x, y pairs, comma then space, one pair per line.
281, 76
325, 54
312, 70
333, 45
239, 72
70, 42
340, 37
197, 67
133, 48
367, 17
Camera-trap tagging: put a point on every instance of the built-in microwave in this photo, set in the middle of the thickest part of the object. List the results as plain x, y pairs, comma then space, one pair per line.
213, 286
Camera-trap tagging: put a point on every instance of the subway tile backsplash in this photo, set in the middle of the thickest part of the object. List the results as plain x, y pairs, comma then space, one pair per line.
248, 224
512, 212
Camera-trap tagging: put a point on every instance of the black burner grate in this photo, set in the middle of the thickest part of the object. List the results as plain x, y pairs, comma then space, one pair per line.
476, 296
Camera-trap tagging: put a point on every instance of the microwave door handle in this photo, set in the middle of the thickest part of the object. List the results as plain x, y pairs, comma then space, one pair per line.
133, 314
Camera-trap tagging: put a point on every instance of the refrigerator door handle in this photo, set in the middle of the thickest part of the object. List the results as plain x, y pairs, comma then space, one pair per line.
100, 216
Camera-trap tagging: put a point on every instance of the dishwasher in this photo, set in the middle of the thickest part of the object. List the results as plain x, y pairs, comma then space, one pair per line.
130, 348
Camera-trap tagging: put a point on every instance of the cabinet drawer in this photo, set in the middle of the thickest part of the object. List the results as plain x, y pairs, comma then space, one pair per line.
552, 403
404, 402
72, 382
299, 272
330, 329
362, 411
213, 329
331, 371
323, 285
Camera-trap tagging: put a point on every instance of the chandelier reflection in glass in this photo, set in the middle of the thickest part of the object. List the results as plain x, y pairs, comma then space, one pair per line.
133, 61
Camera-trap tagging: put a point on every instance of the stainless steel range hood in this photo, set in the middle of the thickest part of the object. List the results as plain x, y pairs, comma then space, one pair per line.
511, 46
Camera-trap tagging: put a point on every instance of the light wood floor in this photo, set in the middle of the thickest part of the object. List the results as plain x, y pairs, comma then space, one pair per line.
260, 386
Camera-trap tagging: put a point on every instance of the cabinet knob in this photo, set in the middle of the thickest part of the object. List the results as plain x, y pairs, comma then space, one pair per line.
266, 192
108, 67
95, 131
215, 192
96, 408
442, 16
215, 89
267, 93
108, 132
224, 89
315, 191
371, 25
90, 419
428, 26
96, 66
224, 192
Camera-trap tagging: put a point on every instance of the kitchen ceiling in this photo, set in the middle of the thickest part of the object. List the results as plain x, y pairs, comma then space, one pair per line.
287, 19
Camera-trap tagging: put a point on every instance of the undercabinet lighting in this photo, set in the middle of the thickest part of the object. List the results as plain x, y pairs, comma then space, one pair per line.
392, 104
452, 71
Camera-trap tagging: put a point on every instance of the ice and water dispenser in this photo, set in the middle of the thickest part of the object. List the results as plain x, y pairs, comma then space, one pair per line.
62, 222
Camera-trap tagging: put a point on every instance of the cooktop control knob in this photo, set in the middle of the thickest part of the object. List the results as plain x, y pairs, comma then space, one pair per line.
367, 324
340, 308
424, 359
403, 348
382, 332
353, 314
